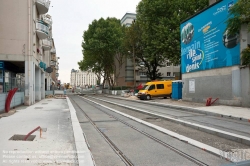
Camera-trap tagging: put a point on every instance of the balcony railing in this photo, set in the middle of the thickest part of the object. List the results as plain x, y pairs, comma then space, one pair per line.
53, 58
47, 19
57, 67
46, 44
53, 51
42, 6
52, 63
42, 29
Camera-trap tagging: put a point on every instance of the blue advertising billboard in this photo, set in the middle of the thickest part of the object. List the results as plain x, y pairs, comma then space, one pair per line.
205, 43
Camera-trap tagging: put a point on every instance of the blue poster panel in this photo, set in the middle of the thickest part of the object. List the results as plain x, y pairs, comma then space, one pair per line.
205, 43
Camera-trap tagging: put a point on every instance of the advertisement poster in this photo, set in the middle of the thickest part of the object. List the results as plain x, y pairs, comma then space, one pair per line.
205, 43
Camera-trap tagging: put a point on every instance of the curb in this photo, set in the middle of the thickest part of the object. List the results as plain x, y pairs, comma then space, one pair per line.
218, 132
83, 153
184, 108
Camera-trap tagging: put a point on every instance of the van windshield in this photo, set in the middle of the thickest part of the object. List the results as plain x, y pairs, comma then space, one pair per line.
145, 87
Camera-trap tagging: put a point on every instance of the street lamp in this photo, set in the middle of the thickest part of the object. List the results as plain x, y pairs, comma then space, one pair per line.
134, 65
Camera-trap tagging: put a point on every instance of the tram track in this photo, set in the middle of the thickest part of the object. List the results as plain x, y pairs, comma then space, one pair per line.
204, 127
119, 152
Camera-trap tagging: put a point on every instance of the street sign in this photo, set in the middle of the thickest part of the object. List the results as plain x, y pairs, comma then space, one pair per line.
49, 70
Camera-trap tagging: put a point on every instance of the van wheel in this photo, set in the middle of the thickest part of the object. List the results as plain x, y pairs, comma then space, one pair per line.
148, 97
170, 96
165, 97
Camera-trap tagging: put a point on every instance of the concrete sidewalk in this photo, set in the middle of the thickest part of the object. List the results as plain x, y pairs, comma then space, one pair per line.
59, 141
239, 113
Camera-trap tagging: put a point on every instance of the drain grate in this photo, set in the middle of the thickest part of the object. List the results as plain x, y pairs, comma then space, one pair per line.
38, 107
18, 137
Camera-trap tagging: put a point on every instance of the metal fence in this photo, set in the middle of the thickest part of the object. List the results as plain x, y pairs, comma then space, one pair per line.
9, 83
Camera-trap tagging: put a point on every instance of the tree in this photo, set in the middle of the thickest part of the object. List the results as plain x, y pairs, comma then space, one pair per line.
239, 15
134, 45
159, 22
100, 45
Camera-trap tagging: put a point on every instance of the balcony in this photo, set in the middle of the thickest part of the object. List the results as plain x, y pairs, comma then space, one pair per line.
57, 67
46, 44
53, 58
52, 63
47, 19
53, 51
42, 29
57, 74
42, 6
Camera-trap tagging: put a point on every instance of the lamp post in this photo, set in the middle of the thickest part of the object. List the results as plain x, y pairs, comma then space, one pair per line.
134, 66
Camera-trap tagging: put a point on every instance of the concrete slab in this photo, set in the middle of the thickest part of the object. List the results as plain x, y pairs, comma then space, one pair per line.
239, 112
57, 144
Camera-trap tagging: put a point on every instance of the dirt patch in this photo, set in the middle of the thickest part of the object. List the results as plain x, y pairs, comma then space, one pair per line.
11, 112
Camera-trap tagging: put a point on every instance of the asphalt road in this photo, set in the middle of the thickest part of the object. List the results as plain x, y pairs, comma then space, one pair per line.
136, 147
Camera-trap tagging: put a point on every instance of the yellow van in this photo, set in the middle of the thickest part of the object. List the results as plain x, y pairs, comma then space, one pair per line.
156, 89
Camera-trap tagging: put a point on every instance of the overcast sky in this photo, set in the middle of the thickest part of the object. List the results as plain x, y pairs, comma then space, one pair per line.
71, 18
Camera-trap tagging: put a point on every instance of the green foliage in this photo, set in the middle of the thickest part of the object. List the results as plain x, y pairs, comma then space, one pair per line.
245, 56
100, 44
239, 14
157, 31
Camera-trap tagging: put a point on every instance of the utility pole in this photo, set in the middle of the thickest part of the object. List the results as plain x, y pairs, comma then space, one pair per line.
134, 65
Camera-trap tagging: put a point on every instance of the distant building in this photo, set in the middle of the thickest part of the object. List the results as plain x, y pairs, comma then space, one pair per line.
126, 76
80, 78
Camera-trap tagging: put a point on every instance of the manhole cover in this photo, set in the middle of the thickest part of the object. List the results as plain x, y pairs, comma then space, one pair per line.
152, 119
18, 137
44, 103
38, 107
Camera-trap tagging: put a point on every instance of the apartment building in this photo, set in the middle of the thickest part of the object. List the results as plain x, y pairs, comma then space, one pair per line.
131, 75
82, 79
27, 49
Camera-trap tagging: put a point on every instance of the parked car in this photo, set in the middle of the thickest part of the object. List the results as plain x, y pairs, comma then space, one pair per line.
156, 89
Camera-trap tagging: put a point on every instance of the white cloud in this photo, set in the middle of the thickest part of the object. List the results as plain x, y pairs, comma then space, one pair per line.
71, 18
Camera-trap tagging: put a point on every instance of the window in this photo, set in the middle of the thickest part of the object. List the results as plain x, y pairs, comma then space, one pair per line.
168, 74
168, 64
173, 74
142, 73
152, 87
160, 86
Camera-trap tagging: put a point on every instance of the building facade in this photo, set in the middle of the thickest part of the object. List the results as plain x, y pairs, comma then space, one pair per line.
211, 67
82, 79
129, 74
26, 48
